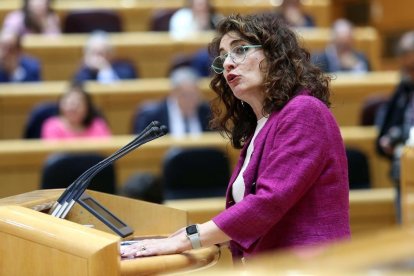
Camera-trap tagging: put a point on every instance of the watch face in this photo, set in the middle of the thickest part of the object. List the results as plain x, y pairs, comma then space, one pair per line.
192, 229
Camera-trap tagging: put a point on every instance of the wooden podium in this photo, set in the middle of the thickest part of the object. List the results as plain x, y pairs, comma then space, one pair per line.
34, 243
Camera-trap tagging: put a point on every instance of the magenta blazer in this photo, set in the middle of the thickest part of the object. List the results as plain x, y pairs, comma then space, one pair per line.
297, 190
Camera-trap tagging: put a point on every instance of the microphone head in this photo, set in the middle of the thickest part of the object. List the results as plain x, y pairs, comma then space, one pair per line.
163, 129
155, 124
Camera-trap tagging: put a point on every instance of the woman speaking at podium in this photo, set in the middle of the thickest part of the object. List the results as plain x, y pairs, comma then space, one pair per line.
290, 186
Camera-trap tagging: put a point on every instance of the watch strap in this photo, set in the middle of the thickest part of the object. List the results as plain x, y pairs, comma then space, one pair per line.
194, 238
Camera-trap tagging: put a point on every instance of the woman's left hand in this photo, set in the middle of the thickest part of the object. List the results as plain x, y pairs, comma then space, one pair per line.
151, 247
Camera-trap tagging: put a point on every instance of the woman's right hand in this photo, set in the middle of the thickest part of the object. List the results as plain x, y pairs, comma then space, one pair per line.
385, 144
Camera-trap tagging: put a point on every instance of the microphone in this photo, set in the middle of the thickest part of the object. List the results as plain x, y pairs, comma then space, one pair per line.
150, 135
76, 189
67, 193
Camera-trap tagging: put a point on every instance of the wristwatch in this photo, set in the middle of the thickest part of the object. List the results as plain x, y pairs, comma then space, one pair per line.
193, 235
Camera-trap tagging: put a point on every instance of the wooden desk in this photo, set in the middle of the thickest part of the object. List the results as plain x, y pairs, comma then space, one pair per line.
152, 52
363, 139
385, 252
118, 101
407, 185
136, 15
21, 160
349, 91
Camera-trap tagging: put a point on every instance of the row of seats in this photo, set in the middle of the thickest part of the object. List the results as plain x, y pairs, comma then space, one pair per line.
186, 173
21, 160
119, 101
32, 130
148, 15
152, 53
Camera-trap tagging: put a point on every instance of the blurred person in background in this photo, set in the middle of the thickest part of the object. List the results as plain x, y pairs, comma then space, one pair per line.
183, 111
291, 11
398, 116
199, 15
15, 66
201, 62
35, 17
340, 54
99, 63
77, 118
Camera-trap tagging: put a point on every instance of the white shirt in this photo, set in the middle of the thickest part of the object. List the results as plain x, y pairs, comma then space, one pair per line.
176, 120
238, 187
107, 75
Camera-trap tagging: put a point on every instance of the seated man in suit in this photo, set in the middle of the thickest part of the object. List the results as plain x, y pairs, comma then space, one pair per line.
14, 65
183, 111
340, 54
98, 63
397, 119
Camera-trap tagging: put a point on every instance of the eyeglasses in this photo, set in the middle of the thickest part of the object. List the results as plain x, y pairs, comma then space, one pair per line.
237, 55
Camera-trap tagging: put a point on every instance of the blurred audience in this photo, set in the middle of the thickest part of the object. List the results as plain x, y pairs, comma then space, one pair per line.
99, 63
77, 117
183, 111
340, 54
35, 16
15, 66
398, 117
198, 15
291, 11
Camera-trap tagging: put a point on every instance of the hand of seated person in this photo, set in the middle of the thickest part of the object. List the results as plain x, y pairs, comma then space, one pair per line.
97, 62
348, 60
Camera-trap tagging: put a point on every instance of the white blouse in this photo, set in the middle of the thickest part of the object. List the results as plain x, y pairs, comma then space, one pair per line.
238, 187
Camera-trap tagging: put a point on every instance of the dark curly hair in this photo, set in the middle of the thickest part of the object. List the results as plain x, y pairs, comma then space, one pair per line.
30, 21
288, 70
91, 113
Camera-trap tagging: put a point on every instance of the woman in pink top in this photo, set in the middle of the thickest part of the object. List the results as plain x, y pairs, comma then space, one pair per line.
35, 17
77, 118
290, 187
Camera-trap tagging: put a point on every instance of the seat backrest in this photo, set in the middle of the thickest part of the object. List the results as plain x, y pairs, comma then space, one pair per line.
61, 169
143, 186
195, 173
37, 116
160, 20
370, 108
358, 169
86, 21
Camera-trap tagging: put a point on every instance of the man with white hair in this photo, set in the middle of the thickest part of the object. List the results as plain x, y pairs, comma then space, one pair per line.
340, 54
183, 111
99, 63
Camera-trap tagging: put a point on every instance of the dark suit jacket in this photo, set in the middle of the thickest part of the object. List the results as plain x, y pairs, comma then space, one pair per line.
158, 111
395, 115
330, 65
124, 70
31, 68
201, 62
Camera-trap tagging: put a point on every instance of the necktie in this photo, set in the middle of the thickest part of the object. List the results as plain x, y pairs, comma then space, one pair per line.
186, 125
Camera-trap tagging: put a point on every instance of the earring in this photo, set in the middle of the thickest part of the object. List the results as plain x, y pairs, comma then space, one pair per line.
242, 103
